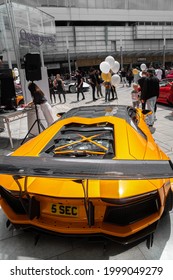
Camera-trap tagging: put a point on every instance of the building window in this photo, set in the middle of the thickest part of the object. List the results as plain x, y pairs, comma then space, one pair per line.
113, 45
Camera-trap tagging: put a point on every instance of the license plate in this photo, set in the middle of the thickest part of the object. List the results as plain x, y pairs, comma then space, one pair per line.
64, 210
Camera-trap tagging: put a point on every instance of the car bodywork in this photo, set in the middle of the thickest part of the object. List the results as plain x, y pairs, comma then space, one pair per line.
169, 75
19, 93
19, 99
96, 171
71, 87
165, 91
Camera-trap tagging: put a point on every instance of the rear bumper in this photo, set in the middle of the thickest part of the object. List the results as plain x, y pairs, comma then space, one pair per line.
143, 234
122, 235
26, 214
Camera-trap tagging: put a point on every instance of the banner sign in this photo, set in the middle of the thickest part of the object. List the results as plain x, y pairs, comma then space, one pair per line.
35, 39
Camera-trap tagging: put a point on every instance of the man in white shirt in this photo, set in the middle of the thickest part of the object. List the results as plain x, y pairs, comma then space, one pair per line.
159, 73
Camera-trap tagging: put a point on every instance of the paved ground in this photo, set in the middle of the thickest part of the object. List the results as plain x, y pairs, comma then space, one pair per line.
20, 245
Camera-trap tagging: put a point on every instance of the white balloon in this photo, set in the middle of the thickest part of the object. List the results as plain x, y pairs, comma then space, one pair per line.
115, 67
16, 72
115, 80
143, 66
105, 67
109, 59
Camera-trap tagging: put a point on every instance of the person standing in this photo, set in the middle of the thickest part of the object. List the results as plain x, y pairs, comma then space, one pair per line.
170, 97
141, 85
114, 93
59, 87
107, 86
159, 73
163, 72
39, 99
135, 94
79, 85
99, 84
150, 94
130, 77
51, 90
123, 76
93, 82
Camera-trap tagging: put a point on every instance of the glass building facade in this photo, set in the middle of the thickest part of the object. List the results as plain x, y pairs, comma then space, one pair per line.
103, 4
24, 29
89, 30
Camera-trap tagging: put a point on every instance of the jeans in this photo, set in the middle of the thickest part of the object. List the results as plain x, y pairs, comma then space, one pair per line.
150, 106
93, 91
124, 80
99, 90
80, 90
107, 94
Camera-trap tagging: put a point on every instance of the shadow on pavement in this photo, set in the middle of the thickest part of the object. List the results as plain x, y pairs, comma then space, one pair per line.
170, 117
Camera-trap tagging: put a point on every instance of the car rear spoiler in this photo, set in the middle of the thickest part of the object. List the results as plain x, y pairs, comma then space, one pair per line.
103, 169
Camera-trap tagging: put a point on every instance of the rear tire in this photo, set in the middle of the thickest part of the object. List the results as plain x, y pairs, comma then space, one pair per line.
72, 89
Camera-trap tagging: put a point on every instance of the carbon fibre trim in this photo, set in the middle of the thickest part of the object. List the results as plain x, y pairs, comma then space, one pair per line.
103, 169
120, 240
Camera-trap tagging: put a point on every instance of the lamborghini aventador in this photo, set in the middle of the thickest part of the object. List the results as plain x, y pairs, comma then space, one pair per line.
96, 171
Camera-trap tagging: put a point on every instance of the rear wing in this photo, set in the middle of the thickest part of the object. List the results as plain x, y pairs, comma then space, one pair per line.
75, 168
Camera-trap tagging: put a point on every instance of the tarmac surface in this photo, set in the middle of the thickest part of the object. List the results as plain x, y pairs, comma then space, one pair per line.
20, 245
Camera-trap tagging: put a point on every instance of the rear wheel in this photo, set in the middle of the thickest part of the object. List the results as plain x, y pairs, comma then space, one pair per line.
72, 89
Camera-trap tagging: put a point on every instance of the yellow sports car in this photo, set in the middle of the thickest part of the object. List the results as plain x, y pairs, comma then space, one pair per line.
96, 171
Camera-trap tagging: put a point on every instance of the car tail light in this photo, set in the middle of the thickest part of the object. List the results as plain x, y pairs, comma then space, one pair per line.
20, 205
137, 208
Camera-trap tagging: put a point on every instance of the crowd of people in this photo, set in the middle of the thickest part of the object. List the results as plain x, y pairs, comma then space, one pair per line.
144, 89
57, 88
94, 79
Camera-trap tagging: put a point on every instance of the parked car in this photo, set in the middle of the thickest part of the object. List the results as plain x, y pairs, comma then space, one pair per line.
165, 88
71, 86
170, 75
95, 171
